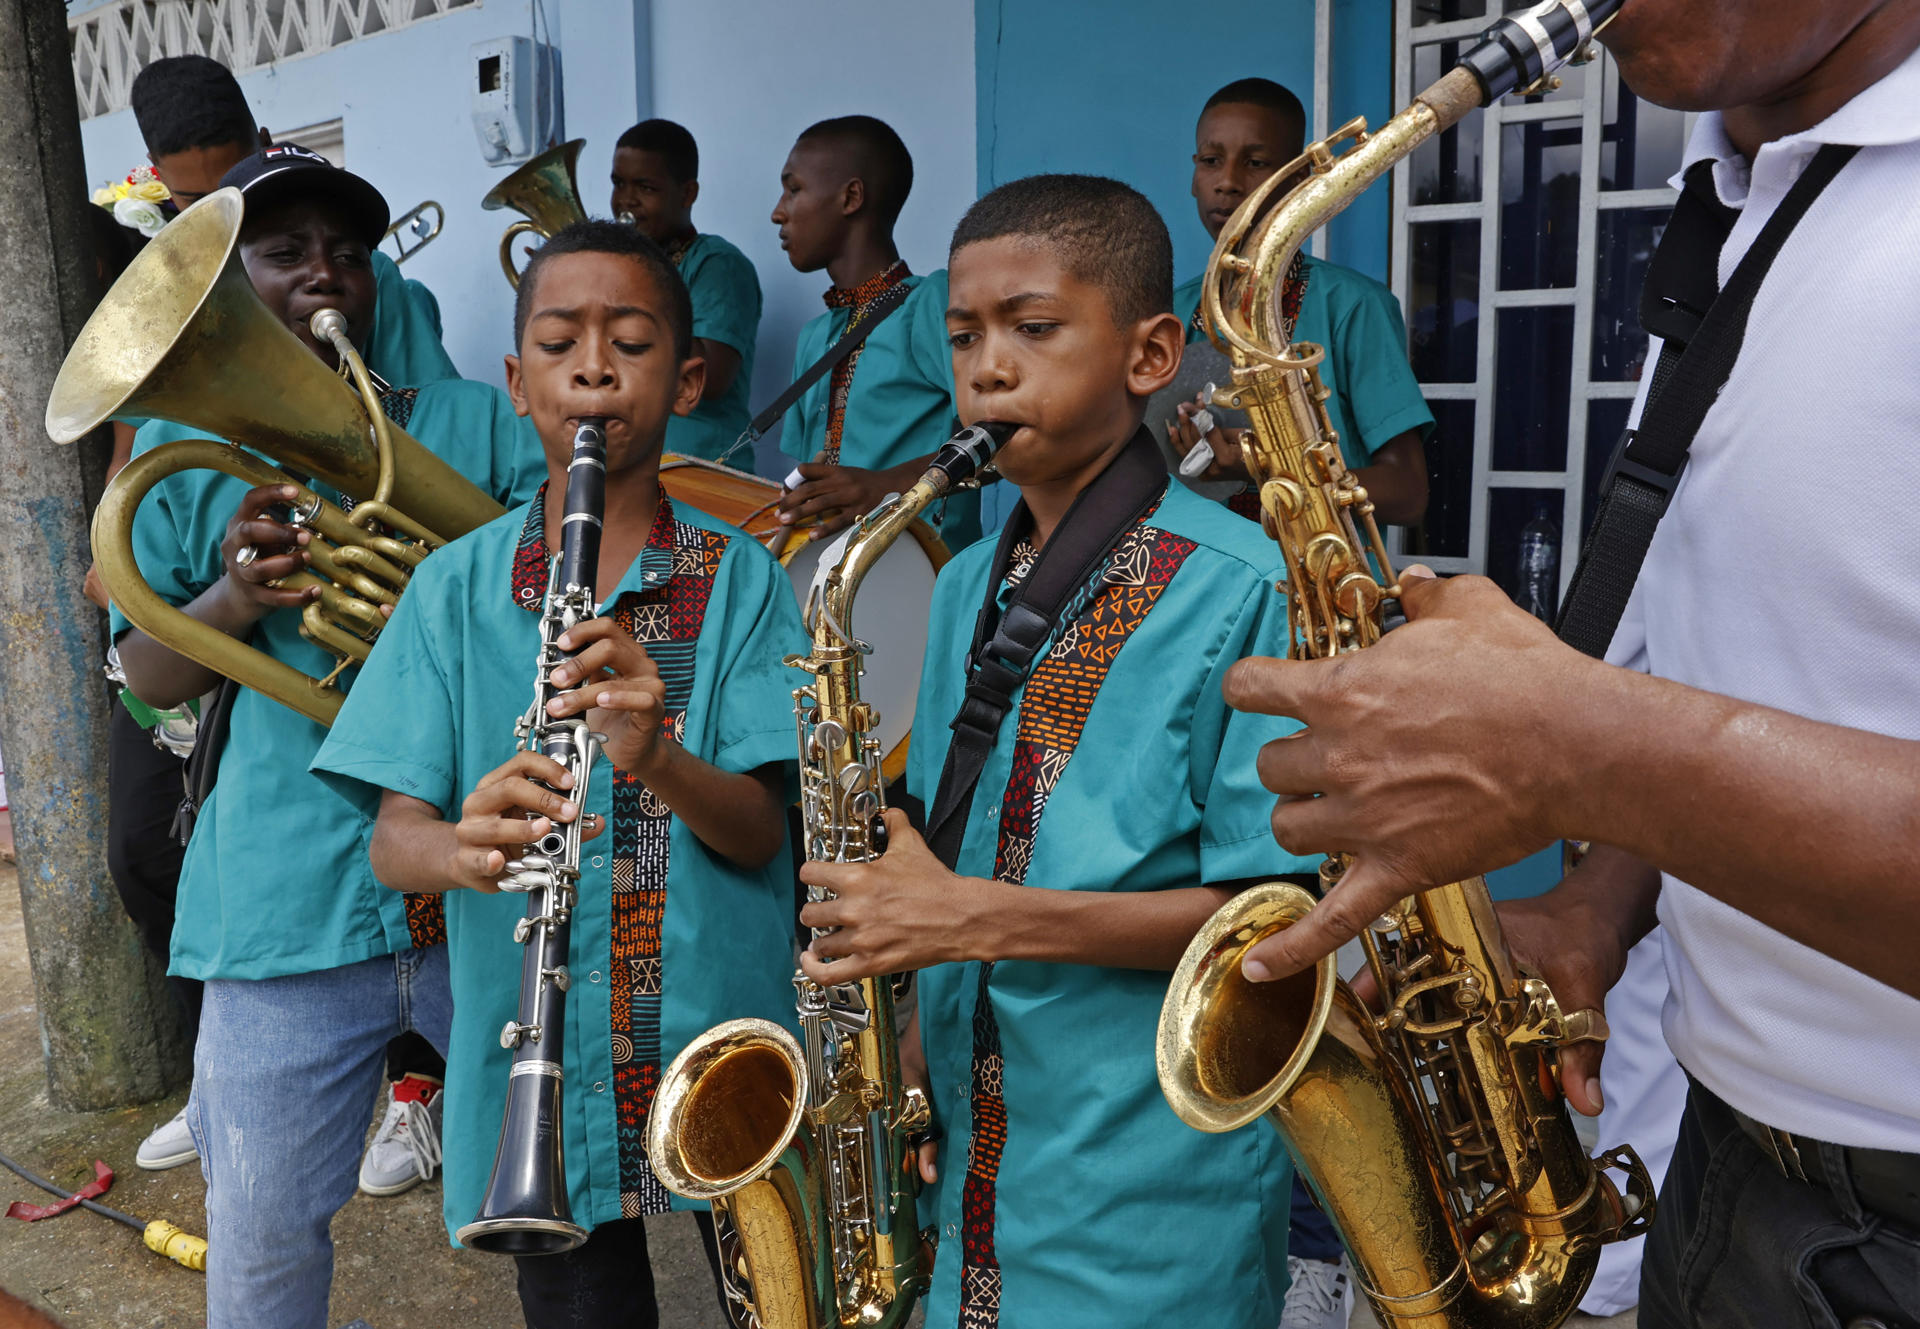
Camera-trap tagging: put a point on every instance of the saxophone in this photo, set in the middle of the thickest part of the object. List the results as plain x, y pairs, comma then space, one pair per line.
525, 1210
1433, 1134
807, 1153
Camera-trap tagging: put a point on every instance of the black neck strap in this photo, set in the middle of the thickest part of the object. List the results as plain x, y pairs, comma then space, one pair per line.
891, 299
1702, 332
1005, 644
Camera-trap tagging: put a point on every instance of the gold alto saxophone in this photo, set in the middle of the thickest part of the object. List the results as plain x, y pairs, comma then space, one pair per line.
1433, 1134
807, 1153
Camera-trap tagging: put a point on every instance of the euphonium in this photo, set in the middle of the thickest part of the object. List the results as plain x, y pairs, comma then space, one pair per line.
807, 1153
547, 191
182, 337
1433, 1134
525, 1210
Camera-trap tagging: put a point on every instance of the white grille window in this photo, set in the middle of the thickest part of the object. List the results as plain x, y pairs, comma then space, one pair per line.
1521, 237
328, 138
114, 42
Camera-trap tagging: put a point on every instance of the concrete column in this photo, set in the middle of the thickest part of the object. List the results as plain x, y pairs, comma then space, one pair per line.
108, 1026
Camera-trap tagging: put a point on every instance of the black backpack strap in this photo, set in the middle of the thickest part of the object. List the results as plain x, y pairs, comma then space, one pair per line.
1005, 644
1702, 336
890, 300
202, 766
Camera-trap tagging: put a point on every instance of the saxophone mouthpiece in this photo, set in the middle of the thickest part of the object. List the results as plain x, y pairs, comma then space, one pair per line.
967, 453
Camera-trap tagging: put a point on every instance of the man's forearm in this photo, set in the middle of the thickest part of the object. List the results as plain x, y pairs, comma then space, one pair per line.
161, 676
1754, 807
1124, 930
1396, 480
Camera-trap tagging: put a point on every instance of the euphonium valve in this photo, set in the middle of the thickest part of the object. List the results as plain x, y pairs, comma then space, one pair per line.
806, 1147
1432, 1132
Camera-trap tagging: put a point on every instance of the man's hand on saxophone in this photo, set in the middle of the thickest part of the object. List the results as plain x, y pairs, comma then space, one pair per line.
1472, 737
903, 911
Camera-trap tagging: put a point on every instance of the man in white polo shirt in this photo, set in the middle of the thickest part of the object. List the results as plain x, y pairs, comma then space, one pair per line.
1752, 776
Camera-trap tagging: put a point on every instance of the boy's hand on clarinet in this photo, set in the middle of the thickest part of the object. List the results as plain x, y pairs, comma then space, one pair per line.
260, 550
905, 910
616, 685
514, 804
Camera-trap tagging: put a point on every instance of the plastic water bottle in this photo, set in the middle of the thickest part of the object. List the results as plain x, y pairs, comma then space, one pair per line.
1538, 585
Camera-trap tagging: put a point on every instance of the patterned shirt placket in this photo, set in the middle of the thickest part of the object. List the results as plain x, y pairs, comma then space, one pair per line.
1053, 712
860, 299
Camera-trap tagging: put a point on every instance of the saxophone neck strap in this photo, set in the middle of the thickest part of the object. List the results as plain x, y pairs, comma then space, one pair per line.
890, 300
1006, 644
1701, 331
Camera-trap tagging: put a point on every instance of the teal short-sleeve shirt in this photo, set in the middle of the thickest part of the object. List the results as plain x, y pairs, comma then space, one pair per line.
1375, 395
900, 403
247, 906
1120, 769
726, 308
404, 346
669, 937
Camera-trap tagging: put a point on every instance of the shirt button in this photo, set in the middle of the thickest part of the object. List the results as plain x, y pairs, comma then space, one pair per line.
599, 862
599, 1086
594, 977
953, 1229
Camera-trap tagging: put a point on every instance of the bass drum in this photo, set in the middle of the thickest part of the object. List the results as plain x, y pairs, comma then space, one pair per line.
894, 598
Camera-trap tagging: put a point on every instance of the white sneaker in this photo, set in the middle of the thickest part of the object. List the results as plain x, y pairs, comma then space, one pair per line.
1320, 1297
170, 1145
406, 1149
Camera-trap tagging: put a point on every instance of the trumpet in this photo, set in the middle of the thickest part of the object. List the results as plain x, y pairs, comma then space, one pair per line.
547, 191
420, 225
1433, 1134
182, 337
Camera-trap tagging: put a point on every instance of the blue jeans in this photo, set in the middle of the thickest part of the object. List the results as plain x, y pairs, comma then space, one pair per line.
1737, 1245
285, 1075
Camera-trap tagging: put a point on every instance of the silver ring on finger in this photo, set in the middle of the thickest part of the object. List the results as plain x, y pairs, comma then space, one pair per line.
243, 556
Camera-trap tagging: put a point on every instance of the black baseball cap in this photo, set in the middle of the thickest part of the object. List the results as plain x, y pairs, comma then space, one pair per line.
282, 171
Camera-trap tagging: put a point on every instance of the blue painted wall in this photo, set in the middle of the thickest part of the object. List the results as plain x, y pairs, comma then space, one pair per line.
1113, 87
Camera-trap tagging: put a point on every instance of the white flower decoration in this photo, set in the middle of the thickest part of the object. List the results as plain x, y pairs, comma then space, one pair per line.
141, 215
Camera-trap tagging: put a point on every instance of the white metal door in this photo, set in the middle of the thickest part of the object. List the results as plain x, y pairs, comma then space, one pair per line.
1520, 240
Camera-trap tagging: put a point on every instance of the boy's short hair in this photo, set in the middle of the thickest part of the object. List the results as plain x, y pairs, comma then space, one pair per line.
1103, 232
672, 141
1266, 94
188, 101
876, 155
606, 237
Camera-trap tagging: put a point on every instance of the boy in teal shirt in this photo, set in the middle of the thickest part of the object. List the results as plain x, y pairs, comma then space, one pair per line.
867, 429
656, 178
1117, 807
1248, 130
684, 916
310, 968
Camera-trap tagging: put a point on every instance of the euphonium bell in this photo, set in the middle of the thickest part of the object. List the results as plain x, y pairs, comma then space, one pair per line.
182, 337
547, 191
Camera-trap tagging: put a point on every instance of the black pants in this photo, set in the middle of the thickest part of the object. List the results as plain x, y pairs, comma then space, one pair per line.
1737, 1245
143, 858
605, 1284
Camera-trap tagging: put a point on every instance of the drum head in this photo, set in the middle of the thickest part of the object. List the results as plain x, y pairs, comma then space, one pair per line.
890, 615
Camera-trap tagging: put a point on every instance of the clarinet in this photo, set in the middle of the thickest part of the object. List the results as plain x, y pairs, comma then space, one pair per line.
526, 1211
